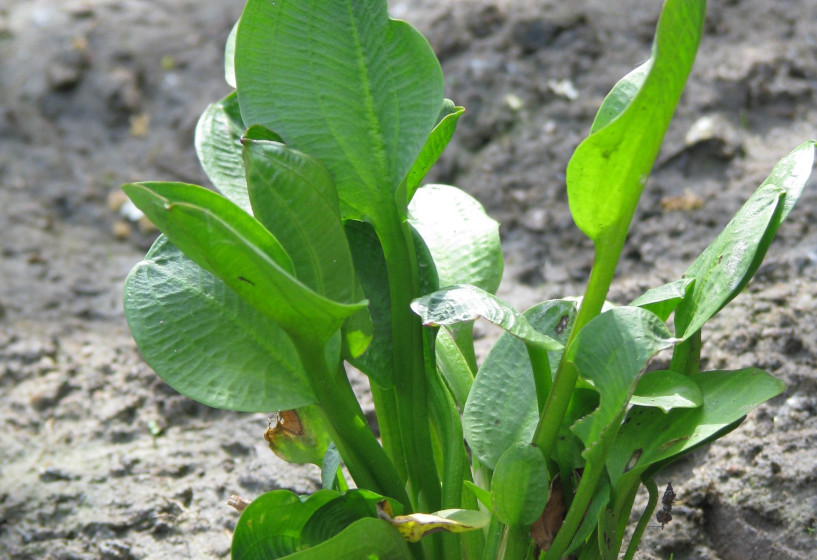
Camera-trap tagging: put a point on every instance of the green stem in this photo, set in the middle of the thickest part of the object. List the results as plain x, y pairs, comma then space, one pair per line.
409, 374
385, 406
365, 458
644, 520
540, 363
550, 418
686, 357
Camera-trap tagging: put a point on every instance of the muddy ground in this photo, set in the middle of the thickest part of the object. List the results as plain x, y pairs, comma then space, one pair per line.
99, 459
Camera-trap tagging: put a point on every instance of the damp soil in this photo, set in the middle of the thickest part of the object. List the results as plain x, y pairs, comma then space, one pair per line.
99, 459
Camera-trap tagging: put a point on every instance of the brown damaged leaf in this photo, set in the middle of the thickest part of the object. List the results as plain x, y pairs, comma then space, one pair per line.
544, 529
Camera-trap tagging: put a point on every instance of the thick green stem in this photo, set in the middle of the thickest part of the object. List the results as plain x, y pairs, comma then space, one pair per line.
385, 406
365, 458
550, 418
686, 357
516, 544
409, 374
540, 363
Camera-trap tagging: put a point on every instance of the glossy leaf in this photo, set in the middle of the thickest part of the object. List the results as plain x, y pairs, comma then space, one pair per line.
649, 435
294, 197
611, 351
459, 303
372, 539
218, 135
501, 409
726, 266
229, 57
664, 299
666, 390
519, 486
202, 338
219, 236
338, 80
463, 240
608, 170
431, 152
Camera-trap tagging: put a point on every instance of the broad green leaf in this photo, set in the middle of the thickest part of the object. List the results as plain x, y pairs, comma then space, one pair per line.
280, 524
365, 539
453, 366
415, 526
726, 266
664, 299
610, 352
461, 302
519, 486
666, 390
608, 170
219, 236
339, 80
370, 265
648, 435
293, 196
463, 240
431, 152
229, 57
205, 341
501, 408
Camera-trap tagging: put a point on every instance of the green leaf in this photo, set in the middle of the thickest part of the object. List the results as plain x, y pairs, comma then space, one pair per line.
501, 408
229, 57
463, 240
591, 518
666, 390
338, 80
299, 436
370, 264
461, 302
205, 341
519, 487
610, 352
329, 467
608, 170
431, 152
726, 266
293, 196
219, 236
453, 366
648, 435
280, 524
218, 135
664, 299
484, 496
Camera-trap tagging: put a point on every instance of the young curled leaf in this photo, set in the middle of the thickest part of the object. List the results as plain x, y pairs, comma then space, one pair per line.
415, 526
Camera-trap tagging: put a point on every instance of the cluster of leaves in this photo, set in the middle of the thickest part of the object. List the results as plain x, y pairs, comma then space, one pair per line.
322, 248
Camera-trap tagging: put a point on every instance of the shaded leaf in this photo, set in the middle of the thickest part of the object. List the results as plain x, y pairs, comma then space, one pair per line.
203, 339
519, 486
664, 299
501, 408
219, 236
298, 436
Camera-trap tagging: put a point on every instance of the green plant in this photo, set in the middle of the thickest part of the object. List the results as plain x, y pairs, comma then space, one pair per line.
322, 248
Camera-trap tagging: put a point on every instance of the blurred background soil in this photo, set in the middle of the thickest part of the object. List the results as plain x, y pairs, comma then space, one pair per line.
99, 459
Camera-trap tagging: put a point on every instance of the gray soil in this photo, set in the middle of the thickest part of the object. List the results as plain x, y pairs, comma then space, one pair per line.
100, 459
